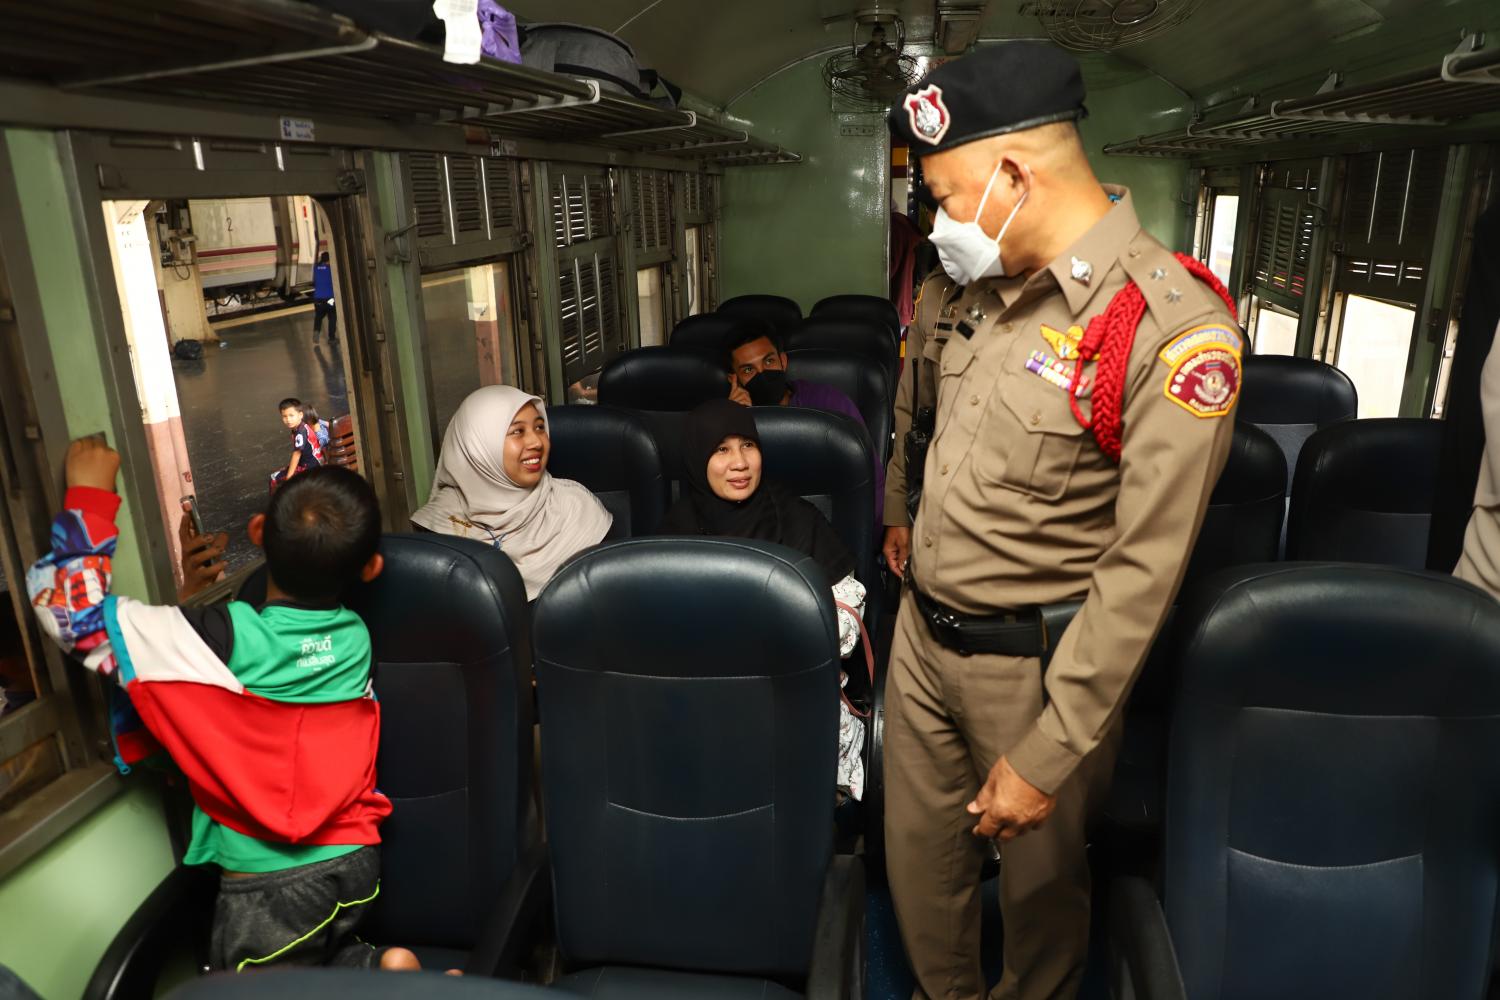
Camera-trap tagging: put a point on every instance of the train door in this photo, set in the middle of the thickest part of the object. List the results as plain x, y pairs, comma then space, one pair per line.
470, 230
211, 360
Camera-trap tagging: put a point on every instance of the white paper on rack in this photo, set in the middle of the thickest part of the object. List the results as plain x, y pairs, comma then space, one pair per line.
463, 36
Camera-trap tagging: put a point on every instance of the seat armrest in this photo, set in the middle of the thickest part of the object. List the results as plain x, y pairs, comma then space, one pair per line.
838, 960
179, 911
514, 925
1142, 961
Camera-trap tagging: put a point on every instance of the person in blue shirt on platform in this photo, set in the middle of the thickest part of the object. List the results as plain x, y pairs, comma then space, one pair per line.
323, 300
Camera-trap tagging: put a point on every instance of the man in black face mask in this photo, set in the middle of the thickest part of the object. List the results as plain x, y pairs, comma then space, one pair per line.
758, 377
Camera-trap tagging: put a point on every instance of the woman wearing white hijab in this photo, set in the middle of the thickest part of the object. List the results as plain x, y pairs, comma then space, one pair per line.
492, 484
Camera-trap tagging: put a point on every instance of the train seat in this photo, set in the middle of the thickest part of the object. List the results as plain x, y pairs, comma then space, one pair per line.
778, 310
1242, 525
662, 378
868, 308
690, 771
851, 336
705, 332
1363, 491
1290, 398
857, 376
1330, 819
613, 453
451, 644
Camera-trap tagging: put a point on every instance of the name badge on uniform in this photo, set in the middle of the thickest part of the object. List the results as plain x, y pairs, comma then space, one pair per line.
1058, 373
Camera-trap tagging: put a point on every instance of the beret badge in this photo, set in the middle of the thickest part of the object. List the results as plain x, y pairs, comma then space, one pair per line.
929, 115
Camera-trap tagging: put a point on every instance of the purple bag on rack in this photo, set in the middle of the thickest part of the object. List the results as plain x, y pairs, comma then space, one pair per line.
501, 40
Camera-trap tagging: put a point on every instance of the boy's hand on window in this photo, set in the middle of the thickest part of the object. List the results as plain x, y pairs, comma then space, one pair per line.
202, 559
91, 462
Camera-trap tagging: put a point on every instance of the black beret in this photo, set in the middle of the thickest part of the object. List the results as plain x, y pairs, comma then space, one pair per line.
1006, 87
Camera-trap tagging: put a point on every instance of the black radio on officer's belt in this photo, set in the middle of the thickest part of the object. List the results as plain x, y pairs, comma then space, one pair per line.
923, 422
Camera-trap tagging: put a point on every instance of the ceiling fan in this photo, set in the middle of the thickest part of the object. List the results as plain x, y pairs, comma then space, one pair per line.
875, 69
1099, 25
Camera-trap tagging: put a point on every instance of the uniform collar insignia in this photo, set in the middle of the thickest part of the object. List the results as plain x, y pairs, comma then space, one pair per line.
1082, 271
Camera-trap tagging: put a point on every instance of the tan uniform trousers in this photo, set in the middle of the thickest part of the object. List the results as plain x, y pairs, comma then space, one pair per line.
948, 719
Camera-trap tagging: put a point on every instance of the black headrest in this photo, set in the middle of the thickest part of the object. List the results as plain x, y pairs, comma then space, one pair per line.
778, 310
870, 308
825, 457
1242, 523
613, 453
450, 637
278, 983
689, 773
706, 332
1363, 491
852, 336
662, 378
1283, 390
1332, 765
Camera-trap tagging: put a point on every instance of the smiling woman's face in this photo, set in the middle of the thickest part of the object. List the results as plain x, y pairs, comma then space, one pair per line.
526, 448
734, 468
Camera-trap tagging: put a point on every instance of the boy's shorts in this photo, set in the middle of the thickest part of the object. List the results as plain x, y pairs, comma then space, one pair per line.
300, 916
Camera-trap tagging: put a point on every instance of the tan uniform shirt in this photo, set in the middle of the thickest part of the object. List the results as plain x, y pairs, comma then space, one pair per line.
937, 311
1020, 505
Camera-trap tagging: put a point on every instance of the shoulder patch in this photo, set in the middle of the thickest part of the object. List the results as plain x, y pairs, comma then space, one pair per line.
1203, 374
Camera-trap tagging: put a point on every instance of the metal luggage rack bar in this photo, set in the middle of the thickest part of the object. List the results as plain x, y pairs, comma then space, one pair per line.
1421, 100
294, 58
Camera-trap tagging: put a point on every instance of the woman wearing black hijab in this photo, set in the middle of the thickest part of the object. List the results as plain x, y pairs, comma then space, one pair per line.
726, 497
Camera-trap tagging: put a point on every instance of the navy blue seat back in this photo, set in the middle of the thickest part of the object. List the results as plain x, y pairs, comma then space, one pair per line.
1331, 815
451, 644
860, 378
868, 308
778, 310
1363, 492
612, 452
850, 336
662, 378
825, 459
705, 332
1290, 398
1243, 521
689, 764
291, 983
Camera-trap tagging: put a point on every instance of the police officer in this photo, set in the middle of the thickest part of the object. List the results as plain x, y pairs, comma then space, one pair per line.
915, 410
1084, 402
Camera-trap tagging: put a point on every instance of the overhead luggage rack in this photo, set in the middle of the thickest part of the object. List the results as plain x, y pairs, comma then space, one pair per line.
1421, 100
298, 59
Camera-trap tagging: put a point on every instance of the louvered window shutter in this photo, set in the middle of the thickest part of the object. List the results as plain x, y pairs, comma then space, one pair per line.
588, 300
1284, 245
651, 217
1390, 216
466, 208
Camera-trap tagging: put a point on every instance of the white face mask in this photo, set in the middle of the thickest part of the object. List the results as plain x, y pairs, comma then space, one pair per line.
965, 249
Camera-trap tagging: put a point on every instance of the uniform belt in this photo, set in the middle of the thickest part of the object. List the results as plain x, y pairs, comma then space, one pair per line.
1020, 632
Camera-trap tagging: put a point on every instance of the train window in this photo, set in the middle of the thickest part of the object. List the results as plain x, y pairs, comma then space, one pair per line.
1226, 208
583, 233
694, 271
1373, 348
471, 335
222, 329
1272, 330
652, 299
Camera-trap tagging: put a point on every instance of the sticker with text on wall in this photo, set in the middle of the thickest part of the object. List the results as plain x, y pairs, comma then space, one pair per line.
298, 130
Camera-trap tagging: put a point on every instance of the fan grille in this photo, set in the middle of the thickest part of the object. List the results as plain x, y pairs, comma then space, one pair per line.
1097, 25
855, 88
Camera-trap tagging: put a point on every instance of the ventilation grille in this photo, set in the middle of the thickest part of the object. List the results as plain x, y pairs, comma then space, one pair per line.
425, 172
653, 212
